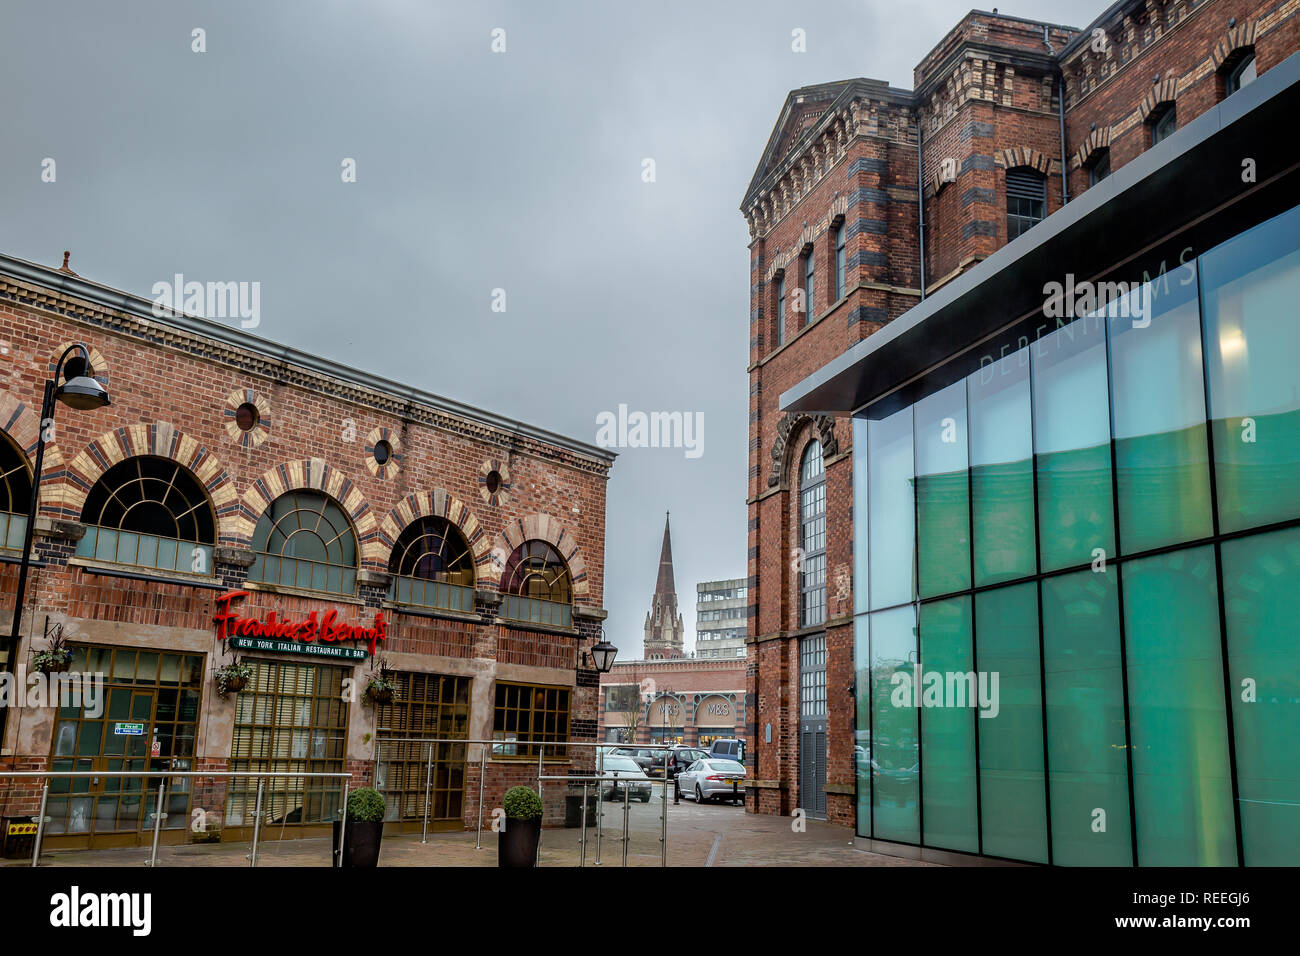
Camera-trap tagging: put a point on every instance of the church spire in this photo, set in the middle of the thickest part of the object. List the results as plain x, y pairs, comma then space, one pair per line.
664, 633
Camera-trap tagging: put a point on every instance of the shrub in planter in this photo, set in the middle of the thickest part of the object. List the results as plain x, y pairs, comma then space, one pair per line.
365, 818
233, 677
517, 843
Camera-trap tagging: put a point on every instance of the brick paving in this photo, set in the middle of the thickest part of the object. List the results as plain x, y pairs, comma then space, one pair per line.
712, 835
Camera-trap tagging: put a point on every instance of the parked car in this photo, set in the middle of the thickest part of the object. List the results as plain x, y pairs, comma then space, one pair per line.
612, 788
650, 759
681, 756
713, 779
728, 748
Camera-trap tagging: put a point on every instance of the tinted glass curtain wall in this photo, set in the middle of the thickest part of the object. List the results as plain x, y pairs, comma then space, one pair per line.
1079, 572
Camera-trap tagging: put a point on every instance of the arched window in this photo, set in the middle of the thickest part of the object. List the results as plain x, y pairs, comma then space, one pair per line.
1242, 74
151, 512
15, 494
432, 566
1163, 123
304, 540
537, 586
812, 537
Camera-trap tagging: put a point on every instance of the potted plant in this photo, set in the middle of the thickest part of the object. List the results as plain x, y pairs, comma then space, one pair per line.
232, 678
517, 842
57, 658
365, 828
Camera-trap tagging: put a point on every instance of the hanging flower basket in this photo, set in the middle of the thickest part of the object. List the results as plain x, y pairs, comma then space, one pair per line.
56, 661
381, 691
233, 678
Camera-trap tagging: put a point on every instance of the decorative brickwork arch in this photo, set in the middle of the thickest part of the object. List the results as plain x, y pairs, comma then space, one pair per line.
1237, 39
1097, 140
440, 504
1162, 94
790, 425
163, 441
22, 423
537, 527
1017, 156
315, 474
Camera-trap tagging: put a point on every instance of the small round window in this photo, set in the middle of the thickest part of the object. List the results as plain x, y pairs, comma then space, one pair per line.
383, 451
493, 482
246, 416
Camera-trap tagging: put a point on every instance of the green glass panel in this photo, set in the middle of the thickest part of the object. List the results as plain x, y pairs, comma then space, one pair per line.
891, 510
895, 766
1158, 401
1013, 804
1251, 285
1261, 578
1002, 470
1072, 442
942, 493
1182, 790
862, 729
860, 547
949, 696
1087, 767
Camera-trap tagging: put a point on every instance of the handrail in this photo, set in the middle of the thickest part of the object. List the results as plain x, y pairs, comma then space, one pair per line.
159, 816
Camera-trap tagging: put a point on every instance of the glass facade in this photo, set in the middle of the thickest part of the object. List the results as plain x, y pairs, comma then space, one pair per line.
1077, 571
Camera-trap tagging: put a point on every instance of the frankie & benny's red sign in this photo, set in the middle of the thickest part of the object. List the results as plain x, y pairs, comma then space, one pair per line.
327, 629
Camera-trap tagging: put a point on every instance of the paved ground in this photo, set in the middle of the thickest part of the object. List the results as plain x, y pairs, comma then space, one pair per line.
709, 835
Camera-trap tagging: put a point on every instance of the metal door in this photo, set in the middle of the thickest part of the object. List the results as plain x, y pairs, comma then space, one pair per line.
812, 726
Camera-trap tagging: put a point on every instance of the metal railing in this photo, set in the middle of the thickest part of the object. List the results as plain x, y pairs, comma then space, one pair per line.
421, 592
485, 745
144, 550
158, 816
528, 610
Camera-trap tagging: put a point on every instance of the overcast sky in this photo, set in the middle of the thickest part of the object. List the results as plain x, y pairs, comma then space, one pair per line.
475, 171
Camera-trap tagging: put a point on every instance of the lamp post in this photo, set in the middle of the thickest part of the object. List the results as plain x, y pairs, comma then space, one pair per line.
82, 393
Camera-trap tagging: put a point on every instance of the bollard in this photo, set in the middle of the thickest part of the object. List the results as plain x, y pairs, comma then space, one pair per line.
40, 825
157, 822
257, 823
663, 836
600, 800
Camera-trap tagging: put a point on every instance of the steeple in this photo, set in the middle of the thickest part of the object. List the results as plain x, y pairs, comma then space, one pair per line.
664, 633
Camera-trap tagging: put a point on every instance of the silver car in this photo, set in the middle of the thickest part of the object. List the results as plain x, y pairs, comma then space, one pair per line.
713, 779
612, 788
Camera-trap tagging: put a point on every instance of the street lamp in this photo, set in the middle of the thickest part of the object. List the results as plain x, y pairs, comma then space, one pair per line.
603, 654
82, 393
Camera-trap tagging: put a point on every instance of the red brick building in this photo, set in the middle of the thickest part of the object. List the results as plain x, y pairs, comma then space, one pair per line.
321, 497
866, 199
678, 701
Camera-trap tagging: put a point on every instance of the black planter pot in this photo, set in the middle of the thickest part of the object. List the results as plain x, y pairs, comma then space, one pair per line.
363, 843
517, 843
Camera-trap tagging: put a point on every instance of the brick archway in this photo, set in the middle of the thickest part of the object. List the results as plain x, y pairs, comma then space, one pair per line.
1163, 93
22, 423
537, 527
314, 474
161, 440
437, 503
1240, 37
791, 424
1018, 156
